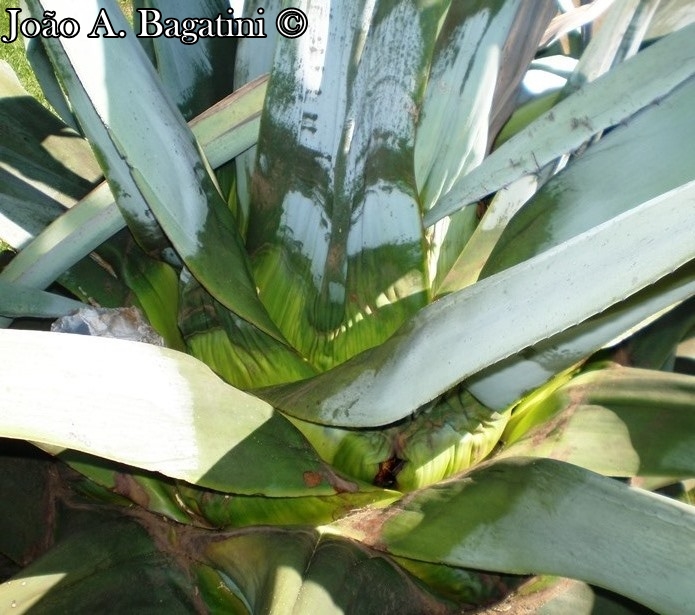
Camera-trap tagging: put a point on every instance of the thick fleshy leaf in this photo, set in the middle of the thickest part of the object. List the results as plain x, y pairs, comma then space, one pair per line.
541, 516
48, 81
335, 234
557, 596
619, 32
254, 57
458, 433
505, 382
221, 510
114, 566
46, 167
454, 434
655, 346
367, 455
51, 164
454, 333
17, 301
66, 240
609, 178
133, 206
191, 505
225, 129
520, 47
472, 69
154, 283
237, 351
146, 565
467, 267
671, 16
618, 422
196, 428
230, 128
573, 18
465, 587
195, 76
161, 170
281, 571
648, 77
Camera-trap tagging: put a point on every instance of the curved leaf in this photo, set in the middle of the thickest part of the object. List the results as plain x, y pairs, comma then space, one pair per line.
194, 76
541, 516
276, 570
505, 382
160, 170
195, 428
618, 422
619, 31
195, 506
236, 350
472, 70
335, 234
454, 333
452, 435
227, 129
648, 77
109, 567
49, 164
231, 126
458, 433
610, 177
45, 167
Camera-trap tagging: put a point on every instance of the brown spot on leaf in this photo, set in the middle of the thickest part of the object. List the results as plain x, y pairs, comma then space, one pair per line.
312, 479
622, 355
558, 422
339, 484
127, 486
366, 525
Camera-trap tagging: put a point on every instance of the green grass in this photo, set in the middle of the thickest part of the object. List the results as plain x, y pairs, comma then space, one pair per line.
13, 53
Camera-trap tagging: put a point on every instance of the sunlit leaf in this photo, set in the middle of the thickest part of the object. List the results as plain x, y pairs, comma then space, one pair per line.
541, 516
388, 383
605, 421
503, 383
335, 235
193, 75
648, 77
160, 172
227, 129
196, 428
611, 176
471, 70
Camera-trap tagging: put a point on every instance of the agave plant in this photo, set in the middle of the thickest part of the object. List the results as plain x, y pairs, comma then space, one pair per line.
422, 330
